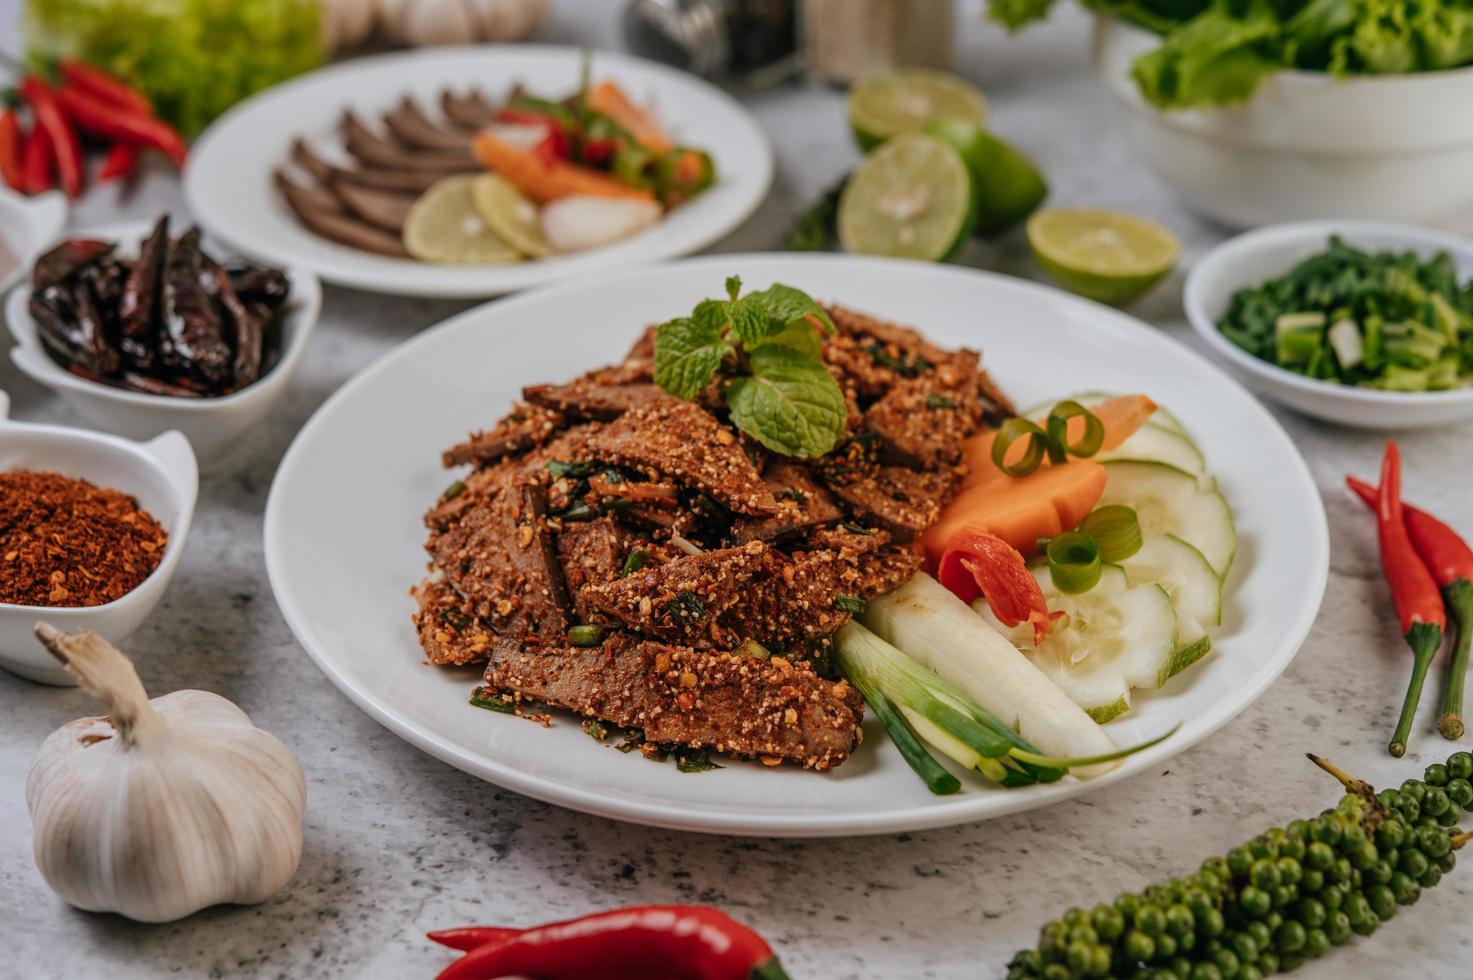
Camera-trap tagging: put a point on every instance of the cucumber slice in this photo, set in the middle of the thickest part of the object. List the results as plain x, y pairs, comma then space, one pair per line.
1170, 501
1192, 644
1180, 569
1112, 638
1159, 445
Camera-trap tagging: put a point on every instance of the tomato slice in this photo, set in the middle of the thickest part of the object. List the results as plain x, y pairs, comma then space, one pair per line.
977, 563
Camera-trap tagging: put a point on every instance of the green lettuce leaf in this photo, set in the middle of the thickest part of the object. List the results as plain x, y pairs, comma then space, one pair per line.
193, 58
1218, 58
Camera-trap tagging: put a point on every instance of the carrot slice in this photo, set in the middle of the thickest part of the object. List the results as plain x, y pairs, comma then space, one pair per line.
609, 99
1046, 502
1121, 416
548, 179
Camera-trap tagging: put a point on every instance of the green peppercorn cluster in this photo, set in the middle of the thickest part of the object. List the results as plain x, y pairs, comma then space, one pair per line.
1284, 897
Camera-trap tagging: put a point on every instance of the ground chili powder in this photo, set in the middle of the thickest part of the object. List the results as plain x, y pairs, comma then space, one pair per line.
65, 542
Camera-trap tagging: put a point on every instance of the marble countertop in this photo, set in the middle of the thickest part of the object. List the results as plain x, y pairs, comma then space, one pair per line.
397, 843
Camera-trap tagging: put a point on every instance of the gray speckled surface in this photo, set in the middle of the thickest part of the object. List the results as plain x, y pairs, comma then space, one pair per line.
398, 843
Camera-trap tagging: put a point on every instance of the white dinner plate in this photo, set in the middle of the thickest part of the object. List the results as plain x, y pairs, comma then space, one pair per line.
344, 536
229, 189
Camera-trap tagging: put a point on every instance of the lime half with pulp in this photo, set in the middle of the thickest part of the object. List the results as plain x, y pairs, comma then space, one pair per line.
912, 198
1009, 186
510, 215
444, 226
905, 101
1105, 255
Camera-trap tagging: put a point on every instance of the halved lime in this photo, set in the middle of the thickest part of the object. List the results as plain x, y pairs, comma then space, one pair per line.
509, 215
912, 198
905, 101
1105, 255
443, 226
1009, 186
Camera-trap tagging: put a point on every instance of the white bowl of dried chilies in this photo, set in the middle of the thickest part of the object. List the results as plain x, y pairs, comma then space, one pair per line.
143, 331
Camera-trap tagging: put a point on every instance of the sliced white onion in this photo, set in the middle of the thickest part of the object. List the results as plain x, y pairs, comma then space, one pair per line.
571, 224
523, 136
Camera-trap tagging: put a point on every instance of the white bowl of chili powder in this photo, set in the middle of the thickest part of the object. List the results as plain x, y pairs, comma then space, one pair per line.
122, 510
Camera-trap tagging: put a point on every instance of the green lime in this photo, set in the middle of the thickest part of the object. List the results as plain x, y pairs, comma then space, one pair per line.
510, 215
1009, 186
1105, 255
443, 226
912, 198
905, 101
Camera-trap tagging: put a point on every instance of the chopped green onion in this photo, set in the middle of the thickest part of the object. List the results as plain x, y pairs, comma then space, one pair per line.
694, 760
1345, 340
614, 503
486, 698
586, 635
848, 604
751, 650
632, 741
559, 469
924, 764
1074, 562
855, 528
939, 401
1116, 532
636, 560
686, 608
454, 490
595, 729
1058, 432
1010, 432
579, 512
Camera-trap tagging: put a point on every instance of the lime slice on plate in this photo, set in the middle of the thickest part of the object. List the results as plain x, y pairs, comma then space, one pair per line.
1105, 255
912, 198
1009, 186
509, 214
905, 101
443, 226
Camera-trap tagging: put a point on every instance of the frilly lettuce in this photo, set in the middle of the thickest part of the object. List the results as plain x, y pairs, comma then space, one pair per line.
1217, 52
193, 58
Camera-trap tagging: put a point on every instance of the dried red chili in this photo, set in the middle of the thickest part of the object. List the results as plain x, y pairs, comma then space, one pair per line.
65, 542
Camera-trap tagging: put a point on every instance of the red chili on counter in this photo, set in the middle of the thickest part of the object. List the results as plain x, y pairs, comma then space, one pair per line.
66, 152
99, 118
1418, 603
651, 942
105, 88
65, 542
11, 141
1450, 560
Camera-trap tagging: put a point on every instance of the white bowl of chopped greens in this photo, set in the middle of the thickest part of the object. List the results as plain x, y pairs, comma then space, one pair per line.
1362, 323
1248, 142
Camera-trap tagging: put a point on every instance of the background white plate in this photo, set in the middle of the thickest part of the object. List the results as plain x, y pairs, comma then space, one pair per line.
344, 537
228, 185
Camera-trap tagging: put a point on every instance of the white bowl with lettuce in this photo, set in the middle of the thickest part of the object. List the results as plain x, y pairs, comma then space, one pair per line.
1248, 142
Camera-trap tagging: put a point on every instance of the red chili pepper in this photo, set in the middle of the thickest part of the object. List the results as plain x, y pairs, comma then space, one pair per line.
597, 153
105, 88
101, 119
1418, 603
60, 137
688, 941
35, 163
977, 563
119, 163
1450, 562
471, 937
11, 140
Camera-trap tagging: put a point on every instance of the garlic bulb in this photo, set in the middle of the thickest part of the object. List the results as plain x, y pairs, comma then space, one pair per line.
347, 23
163, 807
426, 22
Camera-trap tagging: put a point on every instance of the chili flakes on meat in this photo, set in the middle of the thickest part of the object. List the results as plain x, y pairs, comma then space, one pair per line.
66, 542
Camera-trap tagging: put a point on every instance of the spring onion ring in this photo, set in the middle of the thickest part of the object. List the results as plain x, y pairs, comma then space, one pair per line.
1074, 562
1116, 531
1058, 432
1052, 441
1010, 432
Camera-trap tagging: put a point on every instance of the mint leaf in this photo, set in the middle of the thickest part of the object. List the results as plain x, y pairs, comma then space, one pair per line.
733, 286
749, 321
688, 352
786, 305
800, 335
790, 404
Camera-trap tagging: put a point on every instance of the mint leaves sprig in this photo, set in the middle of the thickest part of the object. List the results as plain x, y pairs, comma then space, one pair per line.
766, 347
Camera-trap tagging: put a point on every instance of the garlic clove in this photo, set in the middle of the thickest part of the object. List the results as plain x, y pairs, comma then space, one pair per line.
163, 807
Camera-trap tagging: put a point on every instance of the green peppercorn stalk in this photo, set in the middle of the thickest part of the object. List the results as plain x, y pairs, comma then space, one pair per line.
1285, 897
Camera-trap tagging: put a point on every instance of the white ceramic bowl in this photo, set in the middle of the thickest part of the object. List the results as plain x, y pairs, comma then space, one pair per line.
27, 225
215, 427
1267, 253
163, 476
1306, 145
